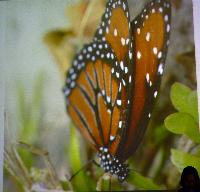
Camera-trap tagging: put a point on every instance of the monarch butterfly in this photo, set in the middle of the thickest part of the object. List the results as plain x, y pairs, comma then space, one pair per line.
113, 82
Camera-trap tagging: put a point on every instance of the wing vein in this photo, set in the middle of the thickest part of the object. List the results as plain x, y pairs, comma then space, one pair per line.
84, 123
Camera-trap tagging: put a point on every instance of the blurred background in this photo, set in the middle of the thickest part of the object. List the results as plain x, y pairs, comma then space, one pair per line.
41, 40
28, 60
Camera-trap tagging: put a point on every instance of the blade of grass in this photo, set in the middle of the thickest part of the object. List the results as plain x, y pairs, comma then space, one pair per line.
79, 182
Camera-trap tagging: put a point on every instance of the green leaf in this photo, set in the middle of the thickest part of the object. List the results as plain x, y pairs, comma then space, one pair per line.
182, 123
181, 160
193, 105
79, 181
179, 94
184, 99
142, 182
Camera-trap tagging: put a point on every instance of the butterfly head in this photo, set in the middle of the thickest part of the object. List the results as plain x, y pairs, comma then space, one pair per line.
112, 164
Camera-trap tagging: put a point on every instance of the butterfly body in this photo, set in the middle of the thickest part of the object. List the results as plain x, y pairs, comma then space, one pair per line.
112, 164
113, 82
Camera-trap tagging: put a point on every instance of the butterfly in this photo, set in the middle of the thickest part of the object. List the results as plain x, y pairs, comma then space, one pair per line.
114, 81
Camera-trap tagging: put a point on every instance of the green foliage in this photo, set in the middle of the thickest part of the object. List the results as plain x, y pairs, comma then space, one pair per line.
29, 113
29, 110
181, 160
184, 100
142, 182
81, 181
184, 122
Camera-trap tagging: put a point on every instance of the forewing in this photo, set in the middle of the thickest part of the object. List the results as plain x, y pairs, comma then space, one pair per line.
94, 95
115, 29
151, 38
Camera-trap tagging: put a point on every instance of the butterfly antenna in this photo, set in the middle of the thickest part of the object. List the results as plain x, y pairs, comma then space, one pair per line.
82, 168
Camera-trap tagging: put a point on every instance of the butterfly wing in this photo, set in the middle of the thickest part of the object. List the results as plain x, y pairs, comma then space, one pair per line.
108, 107
93, 93
115, 29
97, 84
150, 32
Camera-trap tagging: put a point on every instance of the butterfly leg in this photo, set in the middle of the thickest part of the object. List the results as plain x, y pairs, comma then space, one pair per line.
95, 163
82, 168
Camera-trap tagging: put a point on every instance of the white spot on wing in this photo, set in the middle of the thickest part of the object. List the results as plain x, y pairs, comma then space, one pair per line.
119, 102
130, 79
139, 55
120, 87
115, 32
126, 70
155, 94
124, 83
130, 55
160, 69
108, 99
112, 138
159, 54
148, 36
122, 65
109, 111
120, 124
147, 77
123, 41
117, 74
168, 27
127, 41
166, 18
155, 50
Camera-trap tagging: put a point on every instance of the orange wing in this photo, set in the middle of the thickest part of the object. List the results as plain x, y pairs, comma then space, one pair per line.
150, 32
115, 30
97, 85
94, 96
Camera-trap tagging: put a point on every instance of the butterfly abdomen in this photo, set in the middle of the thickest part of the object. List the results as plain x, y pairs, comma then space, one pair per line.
112, 164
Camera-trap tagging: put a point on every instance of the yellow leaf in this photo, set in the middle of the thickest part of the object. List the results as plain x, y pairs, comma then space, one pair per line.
62, 48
